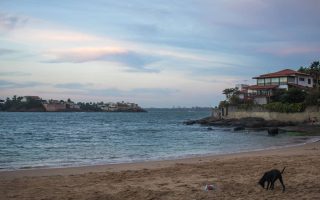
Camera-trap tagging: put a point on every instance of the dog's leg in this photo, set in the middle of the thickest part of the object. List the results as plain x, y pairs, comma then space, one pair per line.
281, 181
268, 185
272, 184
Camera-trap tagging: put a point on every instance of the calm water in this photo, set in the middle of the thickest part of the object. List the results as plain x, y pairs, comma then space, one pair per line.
30, 140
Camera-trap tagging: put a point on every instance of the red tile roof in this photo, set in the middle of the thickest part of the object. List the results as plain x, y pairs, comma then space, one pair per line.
285, 72
262, 87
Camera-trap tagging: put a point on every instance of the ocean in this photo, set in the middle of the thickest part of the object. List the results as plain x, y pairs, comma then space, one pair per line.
65, 139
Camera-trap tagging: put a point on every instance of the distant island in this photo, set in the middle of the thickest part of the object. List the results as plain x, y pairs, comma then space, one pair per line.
37, 104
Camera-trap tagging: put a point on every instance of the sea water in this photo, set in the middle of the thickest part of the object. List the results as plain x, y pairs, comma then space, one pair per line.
63, 139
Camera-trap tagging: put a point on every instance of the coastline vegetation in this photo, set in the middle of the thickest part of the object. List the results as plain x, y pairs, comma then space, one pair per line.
16, 104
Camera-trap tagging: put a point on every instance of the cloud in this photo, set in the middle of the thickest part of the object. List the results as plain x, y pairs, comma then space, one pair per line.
14, 73
27, 29
12, 85
132, 92
9, 21
6, 51
74, 86
105, 92
133, 61
157, 91
90, 89
57, 35
290, 50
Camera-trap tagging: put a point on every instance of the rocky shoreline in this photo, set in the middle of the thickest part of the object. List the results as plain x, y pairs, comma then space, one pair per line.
248, 122
254, 123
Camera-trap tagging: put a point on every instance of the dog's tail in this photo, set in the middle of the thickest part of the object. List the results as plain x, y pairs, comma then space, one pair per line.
283, 170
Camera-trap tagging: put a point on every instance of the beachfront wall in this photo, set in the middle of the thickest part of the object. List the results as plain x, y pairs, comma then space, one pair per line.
309, 115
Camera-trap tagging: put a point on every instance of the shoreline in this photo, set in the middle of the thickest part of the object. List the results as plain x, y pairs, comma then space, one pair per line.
152, 164
234, 176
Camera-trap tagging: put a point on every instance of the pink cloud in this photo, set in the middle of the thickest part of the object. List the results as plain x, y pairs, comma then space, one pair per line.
83, 54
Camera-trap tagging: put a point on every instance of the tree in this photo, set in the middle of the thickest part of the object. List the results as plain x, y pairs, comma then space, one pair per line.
315, 72
313, 98
229, 92
293, 95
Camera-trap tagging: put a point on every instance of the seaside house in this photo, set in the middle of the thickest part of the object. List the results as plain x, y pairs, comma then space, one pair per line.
30, 98
72, 106
267, 84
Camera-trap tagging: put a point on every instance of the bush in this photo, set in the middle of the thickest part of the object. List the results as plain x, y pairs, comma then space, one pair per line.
293, 95
313, 98
285, 107
234, 100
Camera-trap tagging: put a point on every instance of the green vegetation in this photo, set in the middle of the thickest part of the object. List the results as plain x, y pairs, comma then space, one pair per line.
313, 98
285, 107
89, 107
16, 104
293, 95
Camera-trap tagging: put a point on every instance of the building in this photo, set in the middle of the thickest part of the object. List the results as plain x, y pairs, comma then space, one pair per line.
55, 107
267, 84
285, 79
243, 91
72, 106
30, 98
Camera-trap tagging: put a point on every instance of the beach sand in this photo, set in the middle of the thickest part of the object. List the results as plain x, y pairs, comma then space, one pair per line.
235, 176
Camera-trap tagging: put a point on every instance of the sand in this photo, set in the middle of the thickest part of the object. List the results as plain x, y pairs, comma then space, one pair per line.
235, 176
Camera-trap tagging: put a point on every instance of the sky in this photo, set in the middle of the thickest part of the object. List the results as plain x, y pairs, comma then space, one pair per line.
158, 53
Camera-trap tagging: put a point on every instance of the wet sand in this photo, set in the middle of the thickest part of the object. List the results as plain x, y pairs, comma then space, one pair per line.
235, 176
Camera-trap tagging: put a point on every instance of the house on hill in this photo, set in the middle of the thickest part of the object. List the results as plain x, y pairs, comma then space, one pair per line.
267, 84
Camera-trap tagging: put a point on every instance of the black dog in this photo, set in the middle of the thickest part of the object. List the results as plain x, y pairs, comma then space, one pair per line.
271, 176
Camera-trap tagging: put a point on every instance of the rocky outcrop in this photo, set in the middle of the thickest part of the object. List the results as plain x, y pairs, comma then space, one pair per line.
239, 124
204, 121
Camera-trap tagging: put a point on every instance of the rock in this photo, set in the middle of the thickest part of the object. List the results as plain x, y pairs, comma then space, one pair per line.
273, 131
190, 122
239, 128
209, 129
204, 121
240, 124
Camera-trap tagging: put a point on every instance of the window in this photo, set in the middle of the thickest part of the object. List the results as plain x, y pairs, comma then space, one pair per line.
283, 80
291, 79
268, 81
301, 79
260, 81
309, 81
275, 81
